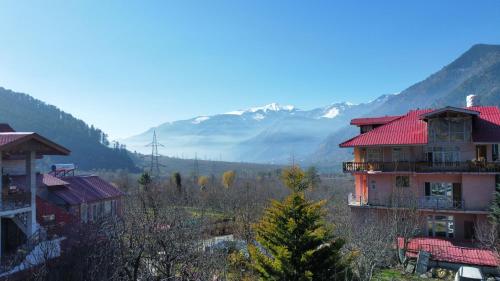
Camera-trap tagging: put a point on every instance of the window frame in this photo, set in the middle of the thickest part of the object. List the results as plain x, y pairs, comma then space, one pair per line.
371, 151
447, 220
397, 182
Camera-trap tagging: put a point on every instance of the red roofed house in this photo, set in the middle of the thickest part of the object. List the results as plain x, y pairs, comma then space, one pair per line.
30, 201
18, 154
444, 162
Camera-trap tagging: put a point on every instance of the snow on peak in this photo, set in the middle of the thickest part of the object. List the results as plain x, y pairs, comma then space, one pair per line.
200, 119
236, 112
268, 107
258, 117
272, 107
331, 113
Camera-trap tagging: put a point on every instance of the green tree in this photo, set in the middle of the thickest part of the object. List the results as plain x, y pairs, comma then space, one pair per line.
495, 206
228, 178
177, 180
296, 243
312, 177
145, 180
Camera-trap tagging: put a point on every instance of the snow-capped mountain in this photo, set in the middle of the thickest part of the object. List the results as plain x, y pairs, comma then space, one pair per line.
269, 133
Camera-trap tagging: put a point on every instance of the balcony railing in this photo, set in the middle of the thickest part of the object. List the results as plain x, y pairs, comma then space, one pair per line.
15, 201
425, 202
422, 167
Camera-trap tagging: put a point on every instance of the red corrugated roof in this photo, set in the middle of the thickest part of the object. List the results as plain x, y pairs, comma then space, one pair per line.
6, 138
411, 130
86, 189
41, 180
373, 120
9, 140
445, 251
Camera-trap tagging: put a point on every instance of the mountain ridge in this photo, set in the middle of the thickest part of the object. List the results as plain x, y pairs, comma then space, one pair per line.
476, 71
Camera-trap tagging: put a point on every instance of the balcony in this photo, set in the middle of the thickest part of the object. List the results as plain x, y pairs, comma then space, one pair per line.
14, 201
425, 202
422, 167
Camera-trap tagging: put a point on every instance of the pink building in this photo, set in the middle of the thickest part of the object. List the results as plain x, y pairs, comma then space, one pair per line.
443, 162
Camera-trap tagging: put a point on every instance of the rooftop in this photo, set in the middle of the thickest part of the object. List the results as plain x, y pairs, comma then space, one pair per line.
445, 251
411, 129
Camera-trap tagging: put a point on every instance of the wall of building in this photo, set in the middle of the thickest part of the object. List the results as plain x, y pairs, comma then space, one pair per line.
14, 167
478, 190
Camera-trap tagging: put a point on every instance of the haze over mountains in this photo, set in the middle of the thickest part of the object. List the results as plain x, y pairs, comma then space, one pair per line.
268, 134
275, 134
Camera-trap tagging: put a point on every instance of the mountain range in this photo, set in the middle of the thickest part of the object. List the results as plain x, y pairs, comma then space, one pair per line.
273, 134
280, 134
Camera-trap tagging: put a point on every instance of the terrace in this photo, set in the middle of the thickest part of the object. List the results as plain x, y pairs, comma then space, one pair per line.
422, 167
423, 203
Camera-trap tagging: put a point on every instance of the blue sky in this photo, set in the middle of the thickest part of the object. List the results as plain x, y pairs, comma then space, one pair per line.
125, 66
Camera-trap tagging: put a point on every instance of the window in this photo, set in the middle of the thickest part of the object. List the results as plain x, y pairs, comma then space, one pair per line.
494, 152
402, 181
449, 129
94, 212
83, 213
399, 154
373, 184
374, 154
101, 209
443, 154
107, 207
441, 189
441, 226
113, 207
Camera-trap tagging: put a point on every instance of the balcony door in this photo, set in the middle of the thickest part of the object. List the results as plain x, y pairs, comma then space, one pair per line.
442, 195
441, 226
481, 153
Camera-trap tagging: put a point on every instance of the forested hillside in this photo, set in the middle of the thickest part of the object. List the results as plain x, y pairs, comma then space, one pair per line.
89, 146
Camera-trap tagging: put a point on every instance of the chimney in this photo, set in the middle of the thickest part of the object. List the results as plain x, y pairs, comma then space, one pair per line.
471, 100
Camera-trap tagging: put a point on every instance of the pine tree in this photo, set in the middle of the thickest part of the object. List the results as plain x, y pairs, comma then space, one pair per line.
295, 242
495, 206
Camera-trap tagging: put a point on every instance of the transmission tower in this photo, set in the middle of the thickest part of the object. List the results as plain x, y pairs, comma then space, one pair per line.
196, 169
154, 169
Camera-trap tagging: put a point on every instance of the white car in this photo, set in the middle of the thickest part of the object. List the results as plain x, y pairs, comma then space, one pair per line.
469, 273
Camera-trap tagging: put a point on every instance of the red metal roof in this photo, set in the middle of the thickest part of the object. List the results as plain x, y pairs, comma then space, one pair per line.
7, 138
41, 180
373, 120
85, 189
445, 251
6, 128
10, 140
411, 130
486, 128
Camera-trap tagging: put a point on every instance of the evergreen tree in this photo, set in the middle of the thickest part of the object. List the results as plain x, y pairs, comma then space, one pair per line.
495, 206
295, 242
177, 180
145, 180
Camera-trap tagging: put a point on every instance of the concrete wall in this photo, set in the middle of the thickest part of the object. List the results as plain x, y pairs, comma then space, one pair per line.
477, 190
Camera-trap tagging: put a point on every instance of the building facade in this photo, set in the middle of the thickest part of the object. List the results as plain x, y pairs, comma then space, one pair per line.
445, 163
19, 152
